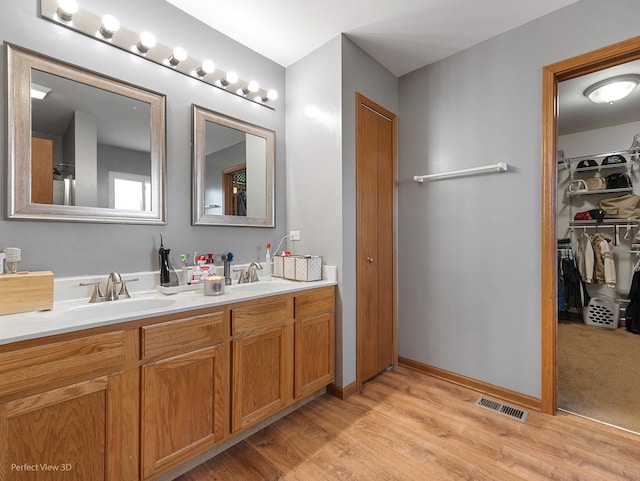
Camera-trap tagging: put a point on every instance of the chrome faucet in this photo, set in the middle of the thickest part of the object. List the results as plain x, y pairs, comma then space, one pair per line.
112, 291
115, 287
252, 272
250, 275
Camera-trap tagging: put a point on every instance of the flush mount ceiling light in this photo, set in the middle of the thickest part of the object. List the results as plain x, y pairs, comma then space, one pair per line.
610, 90
39, 92
107, 29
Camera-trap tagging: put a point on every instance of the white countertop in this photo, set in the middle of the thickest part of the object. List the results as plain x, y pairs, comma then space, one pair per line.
70, 315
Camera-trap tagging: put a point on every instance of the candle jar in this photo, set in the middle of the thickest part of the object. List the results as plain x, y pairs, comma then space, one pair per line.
213, 285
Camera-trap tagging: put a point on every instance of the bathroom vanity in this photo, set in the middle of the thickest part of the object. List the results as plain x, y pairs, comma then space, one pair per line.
128, 397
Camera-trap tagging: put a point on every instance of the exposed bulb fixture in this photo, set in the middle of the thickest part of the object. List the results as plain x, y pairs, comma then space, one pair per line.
147, 42
66, 9
272, 94
179, 55
39, 92
229, 79
610, 90
110, 25
207, 67
252, 87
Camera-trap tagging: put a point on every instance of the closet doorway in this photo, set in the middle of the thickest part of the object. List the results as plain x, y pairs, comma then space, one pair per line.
558, 212
376, 331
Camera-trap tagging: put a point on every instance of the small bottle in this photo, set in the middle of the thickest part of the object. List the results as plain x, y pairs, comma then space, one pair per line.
267, 268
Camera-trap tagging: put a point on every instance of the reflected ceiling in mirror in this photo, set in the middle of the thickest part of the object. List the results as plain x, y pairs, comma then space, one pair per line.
233, 165
91, 150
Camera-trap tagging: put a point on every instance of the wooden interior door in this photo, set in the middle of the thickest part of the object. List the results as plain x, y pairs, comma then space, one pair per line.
375, 238
41, 171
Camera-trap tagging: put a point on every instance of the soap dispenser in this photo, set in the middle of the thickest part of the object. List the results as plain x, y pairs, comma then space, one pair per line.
168, 277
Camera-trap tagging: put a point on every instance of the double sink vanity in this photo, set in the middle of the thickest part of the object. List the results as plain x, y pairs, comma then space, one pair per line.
135, 388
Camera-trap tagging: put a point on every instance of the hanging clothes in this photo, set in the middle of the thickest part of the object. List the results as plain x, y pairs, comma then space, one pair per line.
604, 271
585, 258
574, 291
632, 314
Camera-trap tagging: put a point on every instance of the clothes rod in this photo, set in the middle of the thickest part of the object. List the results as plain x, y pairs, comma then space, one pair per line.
499, 167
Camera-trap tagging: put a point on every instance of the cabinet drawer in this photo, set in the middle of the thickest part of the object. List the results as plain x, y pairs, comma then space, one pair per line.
313, 302
261, 314
182, 334
50, 363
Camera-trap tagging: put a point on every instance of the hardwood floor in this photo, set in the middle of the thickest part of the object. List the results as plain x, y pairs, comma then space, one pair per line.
409, 426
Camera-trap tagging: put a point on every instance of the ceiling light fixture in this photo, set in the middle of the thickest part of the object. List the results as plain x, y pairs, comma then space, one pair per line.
39, 92
110, 25
66, 9
610, 90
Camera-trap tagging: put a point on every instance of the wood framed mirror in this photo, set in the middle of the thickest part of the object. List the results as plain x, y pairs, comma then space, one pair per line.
233, 171
92, 149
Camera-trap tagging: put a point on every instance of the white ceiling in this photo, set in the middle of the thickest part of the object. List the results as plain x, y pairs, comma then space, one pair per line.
403, 35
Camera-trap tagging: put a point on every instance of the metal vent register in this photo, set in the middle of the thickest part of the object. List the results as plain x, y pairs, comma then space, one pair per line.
504, 409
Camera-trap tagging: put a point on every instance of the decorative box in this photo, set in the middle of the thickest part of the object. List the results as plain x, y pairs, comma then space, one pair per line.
26, 291
301, 268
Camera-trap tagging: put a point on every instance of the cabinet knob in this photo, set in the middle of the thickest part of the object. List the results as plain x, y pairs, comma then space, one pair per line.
369, 260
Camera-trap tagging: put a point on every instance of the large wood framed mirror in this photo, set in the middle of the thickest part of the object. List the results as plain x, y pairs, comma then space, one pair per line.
233, 171
91, 149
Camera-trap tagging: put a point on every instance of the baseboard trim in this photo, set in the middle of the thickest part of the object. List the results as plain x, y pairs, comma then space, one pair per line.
523, 400
342, 392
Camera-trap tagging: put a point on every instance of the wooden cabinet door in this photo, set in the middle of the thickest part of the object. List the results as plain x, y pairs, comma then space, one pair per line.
72, 433
314, 354
183, 407
262, 367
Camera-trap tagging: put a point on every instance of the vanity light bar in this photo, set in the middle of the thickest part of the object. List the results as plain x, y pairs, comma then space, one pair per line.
144, 45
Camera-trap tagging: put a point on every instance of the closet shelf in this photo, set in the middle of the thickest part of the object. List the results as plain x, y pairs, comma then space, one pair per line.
603, 191
630, 156
605, 222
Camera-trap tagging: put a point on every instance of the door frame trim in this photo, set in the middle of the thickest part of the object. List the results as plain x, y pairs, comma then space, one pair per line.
373, 106
600, 59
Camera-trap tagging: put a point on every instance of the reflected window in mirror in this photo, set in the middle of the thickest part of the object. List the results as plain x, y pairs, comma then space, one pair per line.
234, 169
96, 147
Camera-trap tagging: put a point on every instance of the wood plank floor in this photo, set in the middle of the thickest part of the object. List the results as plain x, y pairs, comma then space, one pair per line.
410, 426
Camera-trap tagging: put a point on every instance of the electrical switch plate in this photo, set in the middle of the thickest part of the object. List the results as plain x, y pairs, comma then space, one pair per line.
295, 235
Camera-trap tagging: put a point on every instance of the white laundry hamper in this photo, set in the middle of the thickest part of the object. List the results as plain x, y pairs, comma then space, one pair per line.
602, 312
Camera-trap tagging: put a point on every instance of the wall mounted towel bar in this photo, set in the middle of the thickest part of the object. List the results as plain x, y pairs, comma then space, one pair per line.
499, 167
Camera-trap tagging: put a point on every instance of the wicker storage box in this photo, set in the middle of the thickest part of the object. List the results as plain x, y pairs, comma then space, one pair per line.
602, 312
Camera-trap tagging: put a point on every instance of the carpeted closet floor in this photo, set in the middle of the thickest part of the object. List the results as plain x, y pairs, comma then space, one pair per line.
599, 373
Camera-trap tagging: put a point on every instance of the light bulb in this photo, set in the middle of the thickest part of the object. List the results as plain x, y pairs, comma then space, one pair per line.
66, 9
179, 55
253, 86
229, 79
146, 42
110, 25
272, 94
207, 67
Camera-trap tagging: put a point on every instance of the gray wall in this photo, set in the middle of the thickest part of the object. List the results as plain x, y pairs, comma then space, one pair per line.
84, 248
321, 167
469, 284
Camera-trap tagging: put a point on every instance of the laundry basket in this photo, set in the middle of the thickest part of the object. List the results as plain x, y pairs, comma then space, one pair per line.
602, 312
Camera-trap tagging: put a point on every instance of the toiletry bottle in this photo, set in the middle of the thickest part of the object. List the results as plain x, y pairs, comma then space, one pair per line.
168, 277
267, 268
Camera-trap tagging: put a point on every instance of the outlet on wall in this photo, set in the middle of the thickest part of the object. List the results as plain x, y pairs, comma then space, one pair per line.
295, 235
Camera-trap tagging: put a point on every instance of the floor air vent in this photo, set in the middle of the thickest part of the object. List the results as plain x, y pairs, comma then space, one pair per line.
505, 410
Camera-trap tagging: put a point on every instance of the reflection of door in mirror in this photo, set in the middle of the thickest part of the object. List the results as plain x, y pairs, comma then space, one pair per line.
234, 181
92, 132
41, 171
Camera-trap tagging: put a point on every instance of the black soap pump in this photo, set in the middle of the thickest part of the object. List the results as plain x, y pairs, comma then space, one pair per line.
168, 277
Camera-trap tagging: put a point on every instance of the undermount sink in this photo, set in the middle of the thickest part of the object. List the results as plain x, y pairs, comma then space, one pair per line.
112, 308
